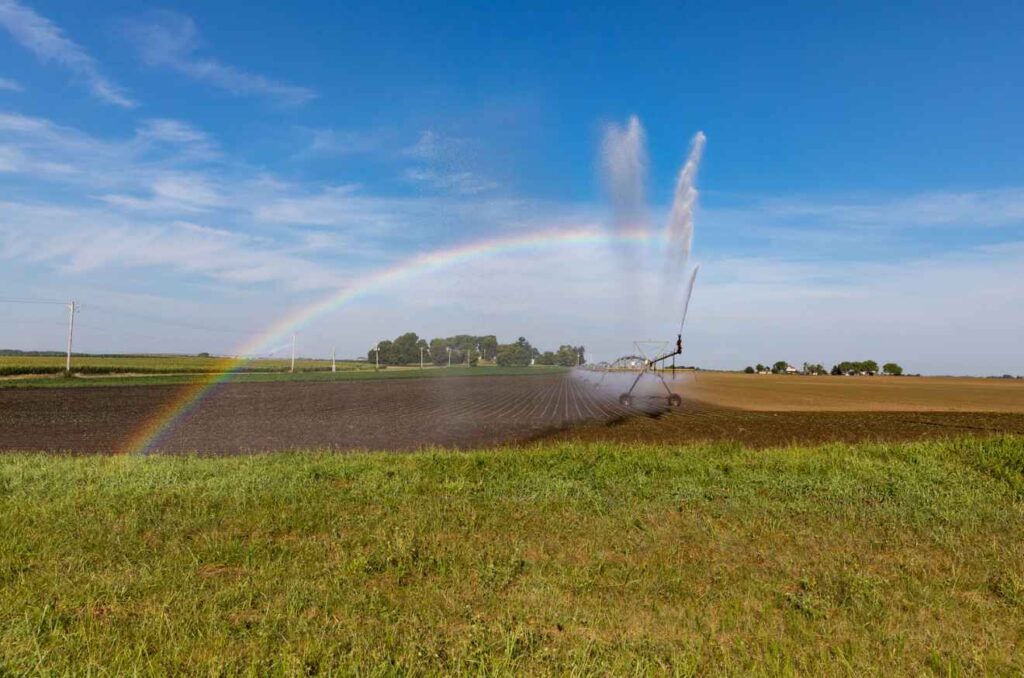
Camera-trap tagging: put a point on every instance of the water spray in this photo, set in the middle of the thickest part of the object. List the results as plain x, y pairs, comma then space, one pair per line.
625, 164
624, 160
679, 231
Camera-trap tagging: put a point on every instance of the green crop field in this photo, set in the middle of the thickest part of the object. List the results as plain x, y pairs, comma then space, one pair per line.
885, 559
156, 364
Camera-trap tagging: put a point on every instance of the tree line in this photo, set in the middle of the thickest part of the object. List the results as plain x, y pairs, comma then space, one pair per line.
847, 367
521, 353
468, 349
865, 367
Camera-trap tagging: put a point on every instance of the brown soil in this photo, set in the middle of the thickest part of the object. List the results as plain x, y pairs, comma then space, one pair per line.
387, 414
794, 393
414, 413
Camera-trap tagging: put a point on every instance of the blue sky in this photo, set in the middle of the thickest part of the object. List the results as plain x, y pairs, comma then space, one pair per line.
189, 172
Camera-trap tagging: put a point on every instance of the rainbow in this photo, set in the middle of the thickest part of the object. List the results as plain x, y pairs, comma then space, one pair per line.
147, 436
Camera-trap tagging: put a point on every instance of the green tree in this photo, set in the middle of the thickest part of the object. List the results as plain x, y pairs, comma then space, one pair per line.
892, 369
856, 367
759, 368
439, 352
462, 347
382, 353
488, 346
569, 356
519, 354
406, 349
547, 358
748, 370
780, 367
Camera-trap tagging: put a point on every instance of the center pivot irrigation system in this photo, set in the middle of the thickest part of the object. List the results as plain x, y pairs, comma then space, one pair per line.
651, 364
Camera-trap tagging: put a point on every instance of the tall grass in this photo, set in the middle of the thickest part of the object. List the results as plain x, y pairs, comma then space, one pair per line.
707, 559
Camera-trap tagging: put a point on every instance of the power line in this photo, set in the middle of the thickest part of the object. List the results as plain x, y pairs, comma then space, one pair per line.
50, 323
131, 314
170, 323
108, 332
33, 301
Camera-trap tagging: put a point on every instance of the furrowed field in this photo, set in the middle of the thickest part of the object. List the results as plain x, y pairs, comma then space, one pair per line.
562, 557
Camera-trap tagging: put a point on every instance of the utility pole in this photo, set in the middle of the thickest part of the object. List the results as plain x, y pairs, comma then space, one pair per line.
71, 334
376, 356
449, 355
421, 357
334, 359
293, 352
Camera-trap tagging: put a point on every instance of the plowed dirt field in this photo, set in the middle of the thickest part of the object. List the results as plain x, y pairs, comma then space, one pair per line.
459, 412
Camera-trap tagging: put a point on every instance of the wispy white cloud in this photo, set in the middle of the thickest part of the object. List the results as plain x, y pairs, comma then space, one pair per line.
47, 41
169, 166
132, 191
14, 161
984, 208
343, 142
171, 131
445, 165
864, 227
171, 40
172, 192
38, 147
82, 240
337, 206
430, 146
464, 183
10, 85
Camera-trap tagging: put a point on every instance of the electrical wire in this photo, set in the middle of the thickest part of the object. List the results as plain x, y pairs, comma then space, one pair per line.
32, 301
164, 321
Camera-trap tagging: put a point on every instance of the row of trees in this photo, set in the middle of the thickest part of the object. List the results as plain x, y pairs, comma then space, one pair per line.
521, 353
409, 348
844, 368
465, 349
782, 367
866, 367
566, 356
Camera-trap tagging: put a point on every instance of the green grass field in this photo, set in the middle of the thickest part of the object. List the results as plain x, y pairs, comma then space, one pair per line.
360, 372
845, 560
